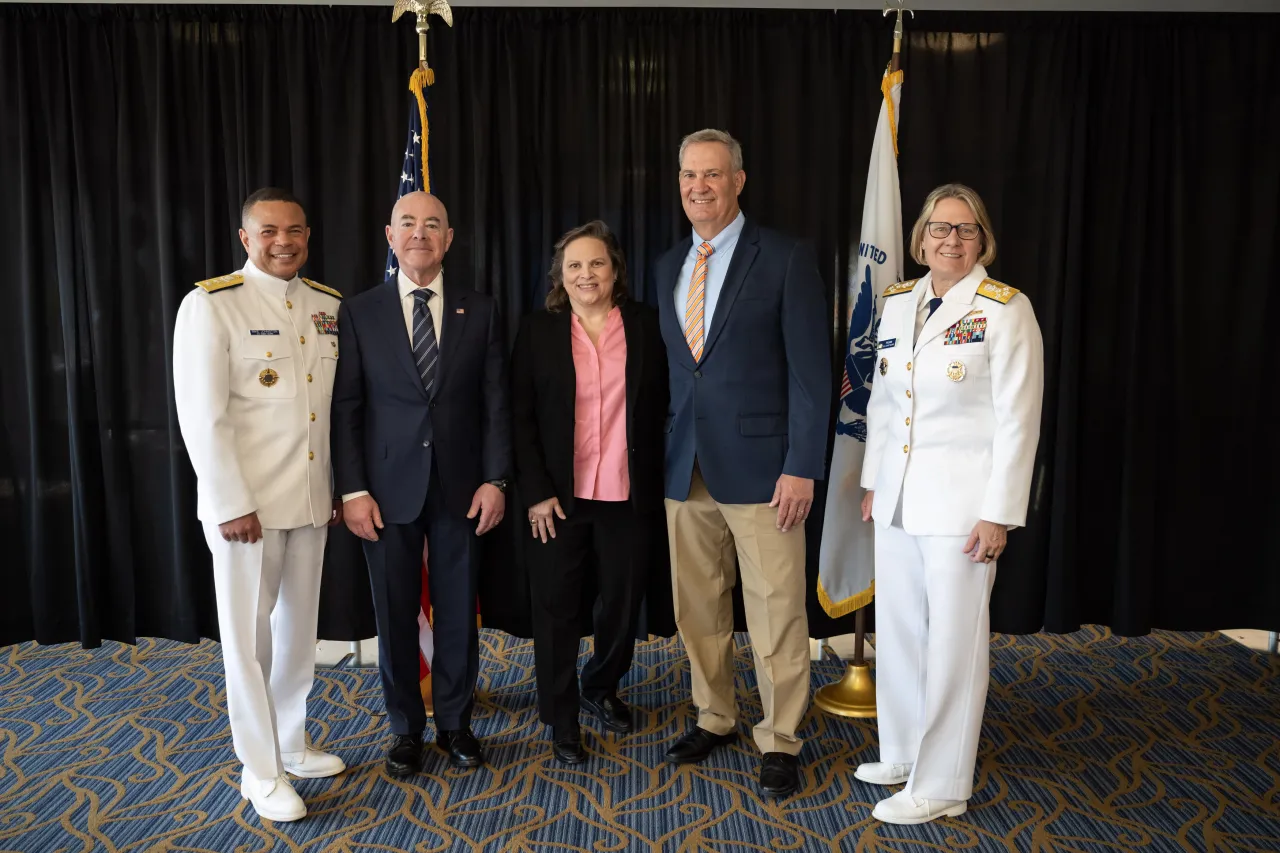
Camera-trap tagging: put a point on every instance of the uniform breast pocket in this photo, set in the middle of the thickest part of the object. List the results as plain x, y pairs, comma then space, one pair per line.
265, 369
328, 364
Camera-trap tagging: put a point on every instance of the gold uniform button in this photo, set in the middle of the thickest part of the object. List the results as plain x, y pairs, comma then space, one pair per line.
268, 354
312, 455
309, 379
302, 339
313, 417
908, 393
904, 448
288, 304
908, 365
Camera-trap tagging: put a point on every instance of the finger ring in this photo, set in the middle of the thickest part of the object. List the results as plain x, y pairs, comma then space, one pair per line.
533, 521
991, 554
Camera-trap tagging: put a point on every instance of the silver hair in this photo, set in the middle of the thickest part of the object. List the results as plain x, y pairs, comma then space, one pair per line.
712, 135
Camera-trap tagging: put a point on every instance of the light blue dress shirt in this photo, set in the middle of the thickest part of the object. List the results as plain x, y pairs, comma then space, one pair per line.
723, 245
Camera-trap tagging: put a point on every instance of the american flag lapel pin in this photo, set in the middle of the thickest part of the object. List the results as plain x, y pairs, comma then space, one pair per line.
461, 311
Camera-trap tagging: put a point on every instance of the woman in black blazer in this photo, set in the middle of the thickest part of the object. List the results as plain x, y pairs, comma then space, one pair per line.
589, 397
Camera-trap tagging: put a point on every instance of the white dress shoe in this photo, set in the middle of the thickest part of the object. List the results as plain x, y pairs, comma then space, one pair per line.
273, 799
905, 809
312, 764
879, 773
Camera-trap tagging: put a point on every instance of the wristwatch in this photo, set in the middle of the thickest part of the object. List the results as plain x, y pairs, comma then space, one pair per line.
501, 484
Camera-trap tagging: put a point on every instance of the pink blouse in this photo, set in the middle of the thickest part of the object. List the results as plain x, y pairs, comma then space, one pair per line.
600, 470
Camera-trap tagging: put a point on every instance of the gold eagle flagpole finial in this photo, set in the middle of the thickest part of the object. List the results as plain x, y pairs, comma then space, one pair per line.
423, 9
891, 7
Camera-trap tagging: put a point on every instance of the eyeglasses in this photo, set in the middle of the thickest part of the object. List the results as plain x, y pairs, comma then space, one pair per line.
968, 230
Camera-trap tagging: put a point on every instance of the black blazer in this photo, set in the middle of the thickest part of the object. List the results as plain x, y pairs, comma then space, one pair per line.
385, 430
544, 401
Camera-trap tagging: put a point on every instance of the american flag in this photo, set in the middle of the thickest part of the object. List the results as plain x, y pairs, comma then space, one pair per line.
415, 174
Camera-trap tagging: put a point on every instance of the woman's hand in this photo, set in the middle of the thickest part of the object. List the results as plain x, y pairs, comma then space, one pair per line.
986, 542
542, 518
868, 500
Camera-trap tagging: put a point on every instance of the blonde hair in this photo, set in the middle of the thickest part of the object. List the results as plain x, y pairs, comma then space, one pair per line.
987, 254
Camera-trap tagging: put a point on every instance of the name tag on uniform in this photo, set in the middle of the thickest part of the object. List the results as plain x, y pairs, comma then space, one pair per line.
886, 343
264, 331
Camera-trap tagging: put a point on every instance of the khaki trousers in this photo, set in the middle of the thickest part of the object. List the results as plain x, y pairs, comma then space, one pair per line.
704, 536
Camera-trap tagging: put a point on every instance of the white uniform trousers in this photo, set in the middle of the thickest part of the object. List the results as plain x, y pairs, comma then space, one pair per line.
268, 606
933, 657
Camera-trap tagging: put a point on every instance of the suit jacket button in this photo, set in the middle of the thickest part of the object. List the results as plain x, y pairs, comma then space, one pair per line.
426, 444
697, 374
433, 404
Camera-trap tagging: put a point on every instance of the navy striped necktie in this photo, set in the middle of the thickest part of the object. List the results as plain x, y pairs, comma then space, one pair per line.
426, 351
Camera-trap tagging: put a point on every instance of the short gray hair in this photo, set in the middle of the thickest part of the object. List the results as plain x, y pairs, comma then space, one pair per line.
712, 135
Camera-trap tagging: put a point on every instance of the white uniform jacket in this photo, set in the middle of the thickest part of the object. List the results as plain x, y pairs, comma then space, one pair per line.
253, 365
953, 421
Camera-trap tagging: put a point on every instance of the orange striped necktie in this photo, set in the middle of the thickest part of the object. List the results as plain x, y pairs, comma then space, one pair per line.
694, 306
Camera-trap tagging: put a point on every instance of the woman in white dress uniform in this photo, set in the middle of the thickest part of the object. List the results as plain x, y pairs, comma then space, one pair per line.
952, 428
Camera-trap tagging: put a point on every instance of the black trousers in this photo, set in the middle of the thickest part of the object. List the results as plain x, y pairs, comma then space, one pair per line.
395, 574
611, 539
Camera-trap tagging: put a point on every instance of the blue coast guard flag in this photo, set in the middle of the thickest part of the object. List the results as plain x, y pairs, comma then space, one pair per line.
846, 562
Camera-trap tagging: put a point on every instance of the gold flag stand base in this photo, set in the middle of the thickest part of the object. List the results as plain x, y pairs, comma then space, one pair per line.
852, 696
855, 694
425, 686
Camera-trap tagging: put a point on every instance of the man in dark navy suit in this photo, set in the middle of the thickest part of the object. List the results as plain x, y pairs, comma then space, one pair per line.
746, 328
422, 446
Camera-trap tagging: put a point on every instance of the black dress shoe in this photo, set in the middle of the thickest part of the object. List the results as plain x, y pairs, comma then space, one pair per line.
566, 745
462, 747
404, 756
779, 774
696, 744
613, 713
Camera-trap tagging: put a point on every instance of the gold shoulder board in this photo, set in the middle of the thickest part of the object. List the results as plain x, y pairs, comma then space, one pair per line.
222, 282
315, 285
997, 290
900, 287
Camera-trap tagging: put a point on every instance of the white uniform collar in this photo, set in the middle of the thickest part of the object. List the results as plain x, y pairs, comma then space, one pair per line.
267, 283
964, 290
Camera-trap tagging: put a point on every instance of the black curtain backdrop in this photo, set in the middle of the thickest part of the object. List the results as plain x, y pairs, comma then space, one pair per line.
1130, 164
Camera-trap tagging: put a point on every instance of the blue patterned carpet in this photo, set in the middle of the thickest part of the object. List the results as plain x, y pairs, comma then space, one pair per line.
1091, 743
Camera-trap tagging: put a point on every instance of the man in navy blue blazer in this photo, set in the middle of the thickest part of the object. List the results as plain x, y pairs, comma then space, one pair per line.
422, 446
745, 322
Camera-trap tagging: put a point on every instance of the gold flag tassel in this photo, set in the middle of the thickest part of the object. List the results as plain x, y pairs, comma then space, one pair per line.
418, 81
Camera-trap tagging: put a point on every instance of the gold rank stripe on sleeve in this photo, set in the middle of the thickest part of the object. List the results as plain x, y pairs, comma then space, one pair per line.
997, 290
315, 285
222, 282
900, 287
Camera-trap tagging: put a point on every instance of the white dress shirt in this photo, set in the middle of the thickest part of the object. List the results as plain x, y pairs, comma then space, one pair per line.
435, 303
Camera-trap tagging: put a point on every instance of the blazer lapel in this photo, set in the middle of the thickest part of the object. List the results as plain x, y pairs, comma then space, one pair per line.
635, 362
955, 306
668, 279
390, 317
564, 365
452, 326
744, 255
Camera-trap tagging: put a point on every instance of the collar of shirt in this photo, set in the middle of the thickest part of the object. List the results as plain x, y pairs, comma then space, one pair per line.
436, 286
268, 284
725, 240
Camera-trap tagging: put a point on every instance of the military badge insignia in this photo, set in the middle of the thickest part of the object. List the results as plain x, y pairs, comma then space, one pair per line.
884, 366
326, 324
955, 371
268, 377
967, 331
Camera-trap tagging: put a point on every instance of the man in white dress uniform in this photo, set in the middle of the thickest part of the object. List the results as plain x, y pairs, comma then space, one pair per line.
254, 355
